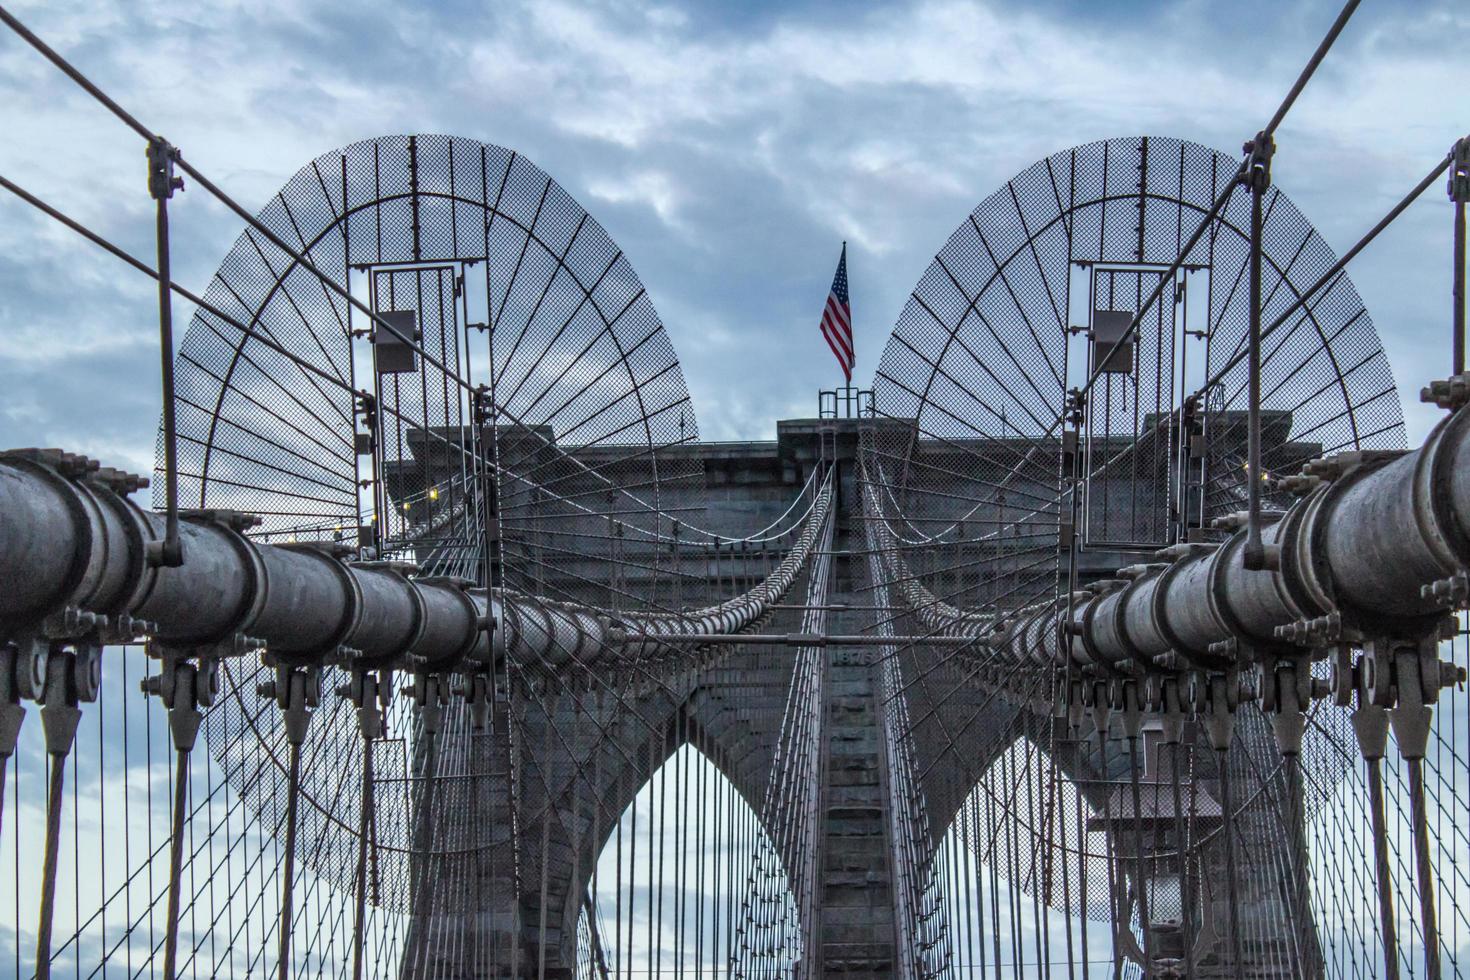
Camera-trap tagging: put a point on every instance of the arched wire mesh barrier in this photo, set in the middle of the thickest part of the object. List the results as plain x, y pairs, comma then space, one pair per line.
540, 435
991, 490
1112, 633
532, 336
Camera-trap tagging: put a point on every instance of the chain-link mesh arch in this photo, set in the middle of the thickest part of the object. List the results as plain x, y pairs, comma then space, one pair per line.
568, 481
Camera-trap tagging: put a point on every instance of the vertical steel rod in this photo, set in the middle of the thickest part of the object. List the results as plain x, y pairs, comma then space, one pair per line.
293, 795
1114, 905
162, 184
1181, 842
364, 823
48, 865
1294, 802
1458, 287
1386, 920
1231, 898
59, 717
1139, 860
1424, 867
1258, 176
176, 864
1459, 194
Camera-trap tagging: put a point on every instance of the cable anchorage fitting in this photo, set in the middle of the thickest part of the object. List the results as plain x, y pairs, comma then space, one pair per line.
1457, 186
297, 692
162, 182
1257, 174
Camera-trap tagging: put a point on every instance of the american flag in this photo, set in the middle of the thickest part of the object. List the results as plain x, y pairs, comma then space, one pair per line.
837, 318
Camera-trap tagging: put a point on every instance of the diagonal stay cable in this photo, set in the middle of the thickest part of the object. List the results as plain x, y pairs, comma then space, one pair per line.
1221, 199
133, 123
1336, 268
1228, 190
92, 89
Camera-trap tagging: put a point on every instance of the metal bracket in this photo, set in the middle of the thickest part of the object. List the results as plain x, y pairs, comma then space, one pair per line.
1257, 173
431, 694
12, 712
235, 520
1330, 468
1453, 592
297, 691
372, 692
1457, 186
162, 182
475, 688
73, 676
1316, 632
1236, 520
71, 465
1449, 393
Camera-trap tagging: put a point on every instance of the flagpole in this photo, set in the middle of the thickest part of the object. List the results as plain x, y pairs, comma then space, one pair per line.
836, 330
852, 336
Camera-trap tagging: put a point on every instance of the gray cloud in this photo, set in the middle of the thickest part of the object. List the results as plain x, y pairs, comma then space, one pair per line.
727, 152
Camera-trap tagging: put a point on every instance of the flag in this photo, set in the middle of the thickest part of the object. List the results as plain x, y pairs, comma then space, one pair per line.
837, 318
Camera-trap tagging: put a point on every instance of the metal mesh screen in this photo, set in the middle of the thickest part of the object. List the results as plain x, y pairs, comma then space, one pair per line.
969, 464
540, 439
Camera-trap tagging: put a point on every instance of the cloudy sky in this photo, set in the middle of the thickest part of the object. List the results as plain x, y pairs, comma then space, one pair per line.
728, 148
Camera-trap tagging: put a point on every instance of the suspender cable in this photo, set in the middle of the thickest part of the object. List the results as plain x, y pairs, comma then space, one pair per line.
59, 717
12, 715
183, 689
1425, 867
1370, 724
293, 800
1181, 844
1459, 189
372, 690
296, 693
1232, 900
1387, 920
1140, 859
48, 865
364, 821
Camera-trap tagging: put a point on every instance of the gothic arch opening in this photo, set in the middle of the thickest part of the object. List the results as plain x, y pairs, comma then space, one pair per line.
688, 883
1025, 869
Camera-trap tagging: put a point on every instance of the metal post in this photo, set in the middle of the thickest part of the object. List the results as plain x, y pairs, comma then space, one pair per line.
161, 184
1181, 847
1459, 190
1132, 728
1258, 178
